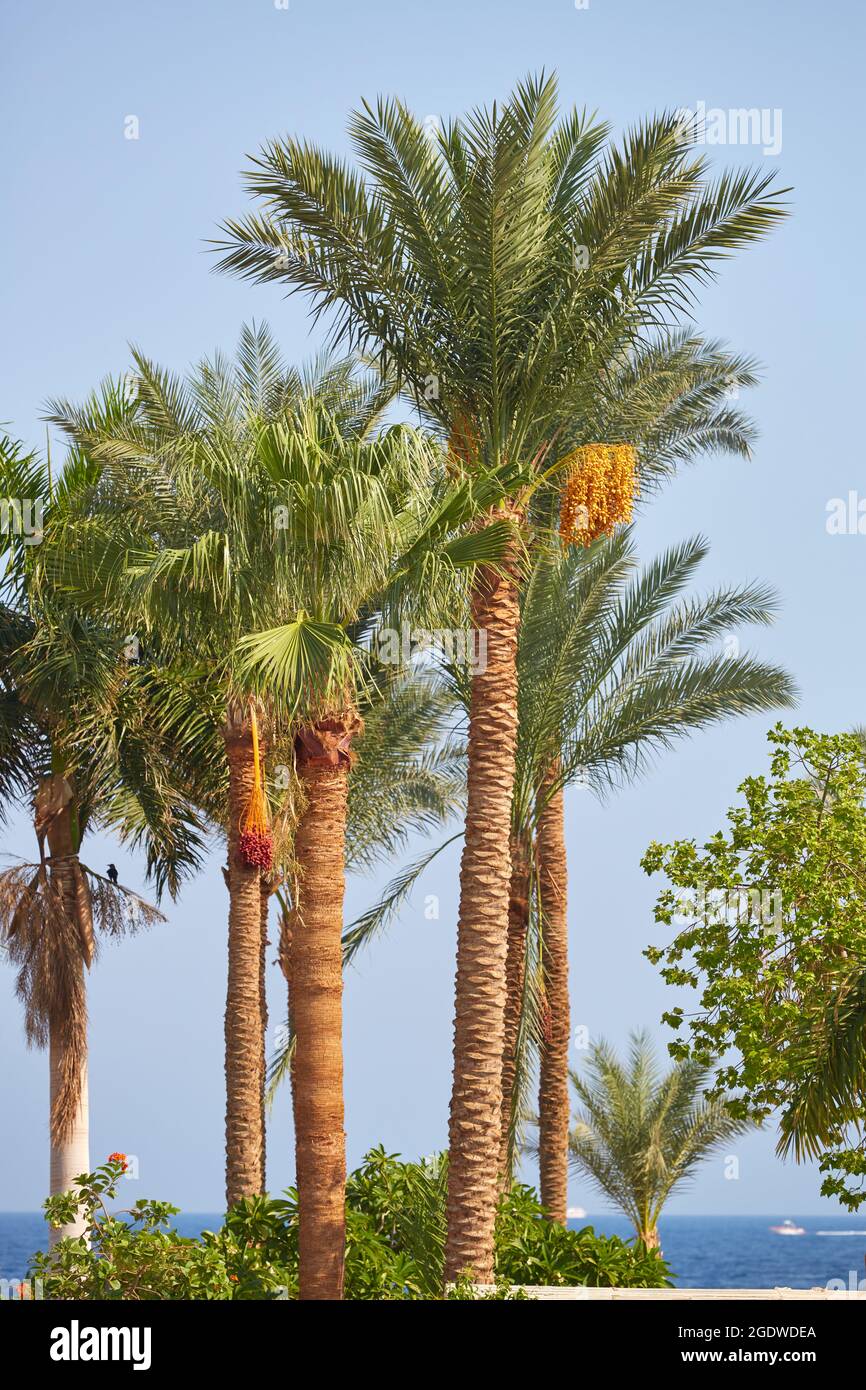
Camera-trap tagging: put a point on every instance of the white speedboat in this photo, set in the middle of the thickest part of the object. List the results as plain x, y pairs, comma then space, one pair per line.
788, 1228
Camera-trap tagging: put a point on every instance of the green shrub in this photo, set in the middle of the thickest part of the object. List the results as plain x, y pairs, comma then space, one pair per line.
530, 1250
395, 1243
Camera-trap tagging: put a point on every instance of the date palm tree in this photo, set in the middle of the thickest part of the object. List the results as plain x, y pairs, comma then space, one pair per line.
639, 1135
496, 268
675, 398
76, 741
269, 550
616, 666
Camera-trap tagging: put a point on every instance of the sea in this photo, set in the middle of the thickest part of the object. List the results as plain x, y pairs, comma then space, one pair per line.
709, 1252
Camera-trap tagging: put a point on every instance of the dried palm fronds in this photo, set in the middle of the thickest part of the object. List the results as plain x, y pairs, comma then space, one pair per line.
47, 917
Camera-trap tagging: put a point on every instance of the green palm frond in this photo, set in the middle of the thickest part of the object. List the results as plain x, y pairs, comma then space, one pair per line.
829, 1097
454, 258
410, 775
616, 665
639, 1135
377, 918
68, 698
280, 1065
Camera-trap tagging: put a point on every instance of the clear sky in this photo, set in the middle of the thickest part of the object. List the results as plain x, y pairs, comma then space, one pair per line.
103, 243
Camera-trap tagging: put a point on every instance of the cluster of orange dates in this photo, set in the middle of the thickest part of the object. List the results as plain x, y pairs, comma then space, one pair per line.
599, 491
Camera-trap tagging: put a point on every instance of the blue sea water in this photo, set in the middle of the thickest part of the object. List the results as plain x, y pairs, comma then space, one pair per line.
717, 1252
742, 1252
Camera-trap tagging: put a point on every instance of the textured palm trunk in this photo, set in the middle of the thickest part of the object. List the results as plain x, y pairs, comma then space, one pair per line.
316, 985
515, 970
287, 919
475, 1128
553, 1106
244, 1021
265, 892
67, 1042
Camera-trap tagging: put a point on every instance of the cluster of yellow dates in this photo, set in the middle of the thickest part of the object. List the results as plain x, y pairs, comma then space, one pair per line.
599, 491
600, 484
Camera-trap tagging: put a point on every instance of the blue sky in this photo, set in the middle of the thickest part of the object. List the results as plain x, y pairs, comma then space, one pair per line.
104, 244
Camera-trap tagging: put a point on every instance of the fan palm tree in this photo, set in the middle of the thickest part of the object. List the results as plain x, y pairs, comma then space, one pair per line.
638, 1135
265, 548
75, 737
409, 779
496, 269
209, 726
204, 714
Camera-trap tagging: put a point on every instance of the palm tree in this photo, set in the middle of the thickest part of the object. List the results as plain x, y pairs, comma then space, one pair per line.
638, 1136
127, 449
52, 914
75, 737
615, 668
460, 261
673, 397
264, 547
409, 780
210, 720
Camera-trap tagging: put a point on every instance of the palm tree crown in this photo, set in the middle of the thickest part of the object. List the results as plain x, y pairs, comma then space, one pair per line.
455, 257
638, 1135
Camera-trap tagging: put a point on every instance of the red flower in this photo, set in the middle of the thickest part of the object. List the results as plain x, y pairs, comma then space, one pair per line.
119, 1158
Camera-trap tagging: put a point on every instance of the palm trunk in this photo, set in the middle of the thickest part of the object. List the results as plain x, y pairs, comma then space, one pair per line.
475, 1128
265, 892
650, 1237
70, 1155
244, 1024
515, 970
67, 1042
553, 1106
316, 975
287, 919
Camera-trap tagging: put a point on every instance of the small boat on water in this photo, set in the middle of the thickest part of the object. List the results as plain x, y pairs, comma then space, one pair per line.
788, 1228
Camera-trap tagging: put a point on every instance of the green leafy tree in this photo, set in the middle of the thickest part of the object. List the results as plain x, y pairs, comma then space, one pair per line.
771, 934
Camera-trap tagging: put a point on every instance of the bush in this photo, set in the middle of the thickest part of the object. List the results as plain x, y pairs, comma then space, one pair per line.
395, 1243
530, 1250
